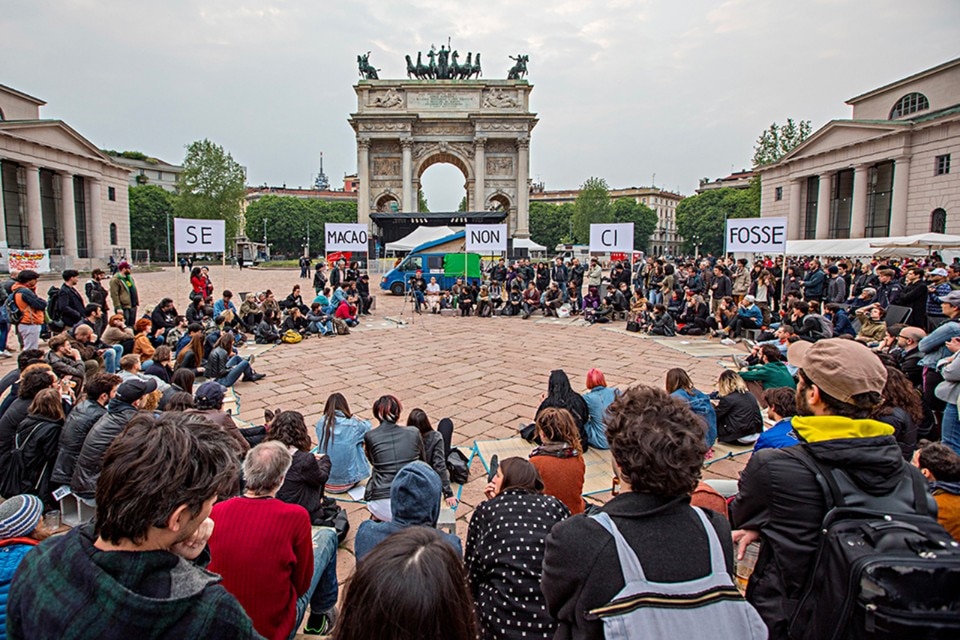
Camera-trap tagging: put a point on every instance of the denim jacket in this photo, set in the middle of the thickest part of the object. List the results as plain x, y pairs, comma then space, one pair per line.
348, 463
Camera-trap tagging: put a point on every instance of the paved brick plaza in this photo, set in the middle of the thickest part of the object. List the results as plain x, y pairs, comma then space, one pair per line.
487, 374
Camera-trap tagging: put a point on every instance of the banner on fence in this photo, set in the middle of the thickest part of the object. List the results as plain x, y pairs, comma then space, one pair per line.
199, 236
34, 259
756, 235
339, 236
486, 237
605, 238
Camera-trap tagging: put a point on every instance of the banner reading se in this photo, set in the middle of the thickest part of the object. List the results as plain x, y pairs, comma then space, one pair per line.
486, 237
199, 236
340, 236
756, 235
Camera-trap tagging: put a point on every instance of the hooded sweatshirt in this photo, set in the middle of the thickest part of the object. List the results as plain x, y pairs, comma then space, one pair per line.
415, 501
66, 587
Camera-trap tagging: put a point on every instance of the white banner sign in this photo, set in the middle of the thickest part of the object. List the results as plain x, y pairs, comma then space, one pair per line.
756, 235
486, 237
345, 237
611, 237
199, 236
33, 259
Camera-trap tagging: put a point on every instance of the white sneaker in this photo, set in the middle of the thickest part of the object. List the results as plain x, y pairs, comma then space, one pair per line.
5, 354
728, 342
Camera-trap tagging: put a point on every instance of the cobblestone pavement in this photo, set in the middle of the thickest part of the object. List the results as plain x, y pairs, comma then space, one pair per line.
487, 374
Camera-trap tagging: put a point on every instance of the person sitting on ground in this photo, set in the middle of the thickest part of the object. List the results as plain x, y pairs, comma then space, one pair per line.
434, 451
162, 365
505, 549
873, 327
21, 529
121, 409
33, 379
658, 449
769, 373
164, 315
723, 315
484, 306
340, 436
465, 302
296, 322
389, 447
294, 300
414, 502
191, 356
224, 304
561, 395
591, 304
842, 326
208, 402
940, 465
749, 316
87, 340
266, 332
36, 439
304, 483
269, 303
196, 309
781, 407
598, 397
809, 325
130, 367
347, 313
615, 301
99, 390
559, 460
739, 420
531, 300
226, 367
679, 385
661, 322
902, 409
250, 313
319, 322
180, 382
413, 587
695, 316
433, 296
64, 358
145, 339
674, 304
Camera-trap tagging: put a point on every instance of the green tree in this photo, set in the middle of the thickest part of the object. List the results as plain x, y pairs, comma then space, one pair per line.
592, 206
212, 186
422, 206
288, 218
644, 220
550, 223
701, 218
149, 206
777, 141
463, 204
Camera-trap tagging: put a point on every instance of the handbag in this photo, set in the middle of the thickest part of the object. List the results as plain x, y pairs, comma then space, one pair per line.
634, 326
458, 466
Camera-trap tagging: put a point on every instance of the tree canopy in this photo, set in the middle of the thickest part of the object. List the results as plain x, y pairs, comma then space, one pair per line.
212, 186
149, 205
591, 207
288, 218
644, 220
701, 218
550, 223
777, 141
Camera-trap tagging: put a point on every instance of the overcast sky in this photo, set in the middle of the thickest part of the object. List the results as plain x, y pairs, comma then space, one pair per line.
624, 89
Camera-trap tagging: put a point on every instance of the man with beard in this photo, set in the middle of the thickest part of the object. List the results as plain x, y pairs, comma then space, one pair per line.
780, 500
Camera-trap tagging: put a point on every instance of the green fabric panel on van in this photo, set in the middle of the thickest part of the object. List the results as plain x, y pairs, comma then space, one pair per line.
453, 264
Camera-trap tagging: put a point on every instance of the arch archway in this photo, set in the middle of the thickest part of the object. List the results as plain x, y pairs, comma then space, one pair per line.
387, 202
498, 202
938, 220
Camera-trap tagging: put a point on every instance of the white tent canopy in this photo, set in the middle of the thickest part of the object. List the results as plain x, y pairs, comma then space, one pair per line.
528, 244
419, 236
927, 241
915, 246
850, 247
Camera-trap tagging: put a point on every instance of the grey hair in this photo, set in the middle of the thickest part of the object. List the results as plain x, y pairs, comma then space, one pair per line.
265, 466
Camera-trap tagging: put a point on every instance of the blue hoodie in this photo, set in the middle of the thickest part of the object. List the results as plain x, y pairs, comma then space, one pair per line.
414, 500
700, 404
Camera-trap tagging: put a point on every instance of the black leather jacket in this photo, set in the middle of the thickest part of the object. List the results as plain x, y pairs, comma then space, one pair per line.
102, 434
81, 419
217, 364
389, 447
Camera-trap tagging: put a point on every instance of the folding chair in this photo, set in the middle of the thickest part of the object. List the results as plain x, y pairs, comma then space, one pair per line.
897, 314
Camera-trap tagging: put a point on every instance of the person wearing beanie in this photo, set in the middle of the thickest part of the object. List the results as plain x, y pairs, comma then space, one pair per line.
836, 285
21, 529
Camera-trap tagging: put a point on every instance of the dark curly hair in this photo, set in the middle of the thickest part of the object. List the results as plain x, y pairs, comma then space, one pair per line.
290, 429
657, 441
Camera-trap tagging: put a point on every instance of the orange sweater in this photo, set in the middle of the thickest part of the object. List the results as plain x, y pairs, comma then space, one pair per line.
562, 479
948, 512
143, 347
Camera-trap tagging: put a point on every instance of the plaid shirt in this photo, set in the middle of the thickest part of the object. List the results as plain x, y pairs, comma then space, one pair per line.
65, 588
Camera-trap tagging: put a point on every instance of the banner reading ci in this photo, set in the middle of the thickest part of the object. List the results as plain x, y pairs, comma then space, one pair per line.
611, 237
199, 236
486, 237
339, 236
756, 235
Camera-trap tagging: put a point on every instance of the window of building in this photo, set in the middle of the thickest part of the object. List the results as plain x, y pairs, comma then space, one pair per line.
14, 184
159, 175
80, 209
879, 200
111, 194
841, 204
810, 210
938, 221
910, 103
778, 193
943, 165
113, 232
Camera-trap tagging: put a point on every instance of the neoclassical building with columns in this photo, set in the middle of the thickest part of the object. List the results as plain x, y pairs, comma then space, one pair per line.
59, 191
886, 171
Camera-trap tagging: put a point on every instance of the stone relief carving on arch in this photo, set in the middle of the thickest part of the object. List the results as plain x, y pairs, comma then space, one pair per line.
384, 126
387, 166
389, 99
497, 98
495, 146
499, 166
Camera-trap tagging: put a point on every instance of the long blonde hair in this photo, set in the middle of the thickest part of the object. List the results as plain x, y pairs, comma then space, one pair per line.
730, 382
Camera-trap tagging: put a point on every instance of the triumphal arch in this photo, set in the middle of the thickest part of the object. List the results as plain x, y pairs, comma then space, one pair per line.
480, 126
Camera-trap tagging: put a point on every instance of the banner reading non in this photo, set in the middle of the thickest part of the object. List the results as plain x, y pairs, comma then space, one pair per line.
605, 238
756, 235
339, 236
486, 237
199, 236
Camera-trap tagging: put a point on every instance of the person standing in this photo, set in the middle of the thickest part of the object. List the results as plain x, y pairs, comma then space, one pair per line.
32, 308
123, 293
70, 302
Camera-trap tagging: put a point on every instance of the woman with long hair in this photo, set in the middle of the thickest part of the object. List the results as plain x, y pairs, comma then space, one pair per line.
434, 450
506, 540
902, 409
389, 447
412, 588
304, 482
559, 460
181, 381
37, 438
340, 436
561, 395
191, 356
226, 367
739, 419
679, 385
162, 364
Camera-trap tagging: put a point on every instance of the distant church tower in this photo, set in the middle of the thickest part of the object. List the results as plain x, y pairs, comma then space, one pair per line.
321, 183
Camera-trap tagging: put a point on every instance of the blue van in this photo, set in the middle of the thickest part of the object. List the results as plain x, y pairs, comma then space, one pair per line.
436, 259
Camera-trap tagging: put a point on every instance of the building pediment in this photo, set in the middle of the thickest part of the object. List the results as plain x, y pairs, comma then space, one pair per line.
56, 134
842, 133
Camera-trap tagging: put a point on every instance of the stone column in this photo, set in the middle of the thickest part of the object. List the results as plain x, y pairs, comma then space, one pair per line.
97, 230
794, 216
406, 146
898, 213
823, 206
858, 219
523, 188
480, 173
69, 221
3, 212
363, 177
34, 214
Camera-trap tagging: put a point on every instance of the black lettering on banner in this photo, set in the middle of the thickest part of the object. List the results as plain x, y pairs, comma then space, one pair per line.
347, 237
603, 238
484, 236
192, 234
757, 234
206, 235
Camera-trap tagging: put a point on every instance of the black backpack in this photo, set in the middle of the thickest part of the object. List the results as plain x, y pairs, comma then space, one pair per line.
53, 307
14, 313
884, 567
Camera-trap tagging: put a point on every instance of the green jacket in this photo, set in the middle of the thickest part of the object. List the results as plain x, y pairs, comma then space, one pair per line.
772, 375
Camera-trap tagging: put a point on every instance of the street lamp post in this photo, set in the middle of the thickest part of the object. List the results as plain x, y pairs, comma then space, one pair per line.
167, 214
264, 238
